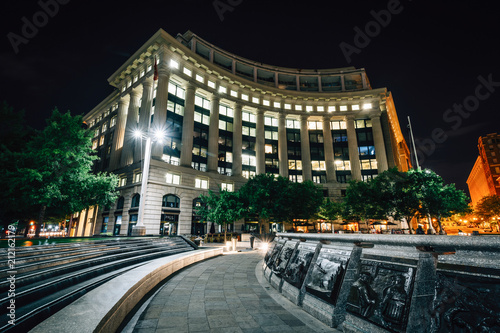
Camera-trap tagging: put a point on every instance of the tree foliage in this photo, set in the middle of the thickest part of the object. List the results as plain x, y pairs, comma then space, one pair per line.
54, 171
488, 207
222, 208
403, 195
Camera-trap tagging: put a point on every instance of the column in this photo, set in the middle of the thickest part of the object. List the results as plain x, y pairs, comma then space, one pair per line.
260, 141
282, 145
144, 116
160, 110
237, 141
342, 82
305, 149
188, 128
213, 136
378, 138
328, 148
127, 157
352, 142
423, 292
119, 133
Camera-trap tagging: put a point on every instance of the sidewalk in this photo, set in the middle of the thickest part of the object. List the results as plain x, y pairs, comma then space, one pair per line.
224, 294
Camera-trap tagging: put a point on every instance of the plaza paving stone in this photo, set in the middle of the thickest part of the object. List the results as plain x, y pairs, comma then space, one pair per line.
224, 294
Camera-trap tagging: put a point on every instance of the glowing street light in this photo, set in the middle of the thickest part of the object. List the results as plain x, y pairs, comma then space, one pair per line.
154, 136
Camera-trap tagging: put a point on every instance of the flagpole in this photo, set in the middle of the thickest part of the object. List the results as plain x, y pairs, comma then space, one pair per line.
413, 143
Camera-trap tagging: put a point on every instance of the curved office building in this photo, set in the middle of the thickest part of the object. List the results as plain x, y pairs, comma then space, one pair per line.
225, 119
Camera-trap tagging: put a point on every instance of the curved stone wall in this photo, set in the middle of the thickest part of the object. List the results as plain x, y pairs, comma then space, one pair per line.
390, 283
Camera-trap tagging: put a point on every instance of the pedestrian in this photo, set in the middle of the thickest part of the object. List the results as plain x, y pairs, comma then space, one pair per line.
420, 230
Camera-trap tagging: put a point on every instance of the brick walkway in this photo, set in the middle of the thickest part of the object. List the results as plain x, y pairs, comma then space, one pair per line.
224, 294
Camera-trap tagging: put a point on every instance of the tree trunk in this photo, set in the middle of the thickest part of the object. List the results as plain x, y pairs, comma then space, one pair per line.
41, 216
430, 224
408, 221
441, 230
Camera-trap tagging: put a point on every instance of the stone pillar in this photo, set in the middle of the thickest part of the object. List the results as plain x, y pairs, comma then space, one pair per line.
213, 136
237, 140
144, 116
260, 154
328, 148
305, 149
350, 277
423, 294
282, 145
352, 142
127, 157
378, 138
160, 111
119, 133
188, 128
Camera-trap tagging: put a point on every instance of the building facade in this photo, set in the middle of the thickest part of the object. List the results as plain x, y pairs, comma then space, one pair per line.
226, 119
484, 178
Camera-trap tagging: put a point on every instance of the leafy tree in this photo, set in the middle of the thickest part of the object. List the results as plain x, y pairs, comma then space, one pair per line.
435, 198
489, 207
267, 196
54, 170
359, 202
446, 202
395, 196
223, 208
331, 210
304, 200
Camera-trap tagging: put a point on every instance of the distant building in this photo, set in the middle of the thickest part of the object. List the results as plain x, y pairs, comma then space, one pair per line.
228, 118
484, 178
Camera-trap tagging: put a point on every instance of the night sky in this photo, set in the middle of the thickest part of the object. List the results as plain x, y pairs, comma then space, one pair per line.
434, 57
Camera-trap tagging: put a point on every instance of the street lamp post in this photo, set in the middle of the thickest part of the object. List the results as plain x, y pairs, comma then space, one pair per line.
140, 229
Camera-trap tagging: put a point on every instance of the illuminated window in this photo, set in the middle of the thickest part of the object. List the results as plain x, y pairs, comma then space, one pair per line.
247, 116
199, 78
222, 89
355, 107
101, 140
227, 187
343, 108
298, 107
255, 100
176, 90
202, 102
331, 108
94, 144
226, 110
244, 97
309, 108
201, 183
288, 106
211, 84
234, 93
174, 64
268, 149
277, 104
248, 160
137, 177
367, 106
320, 108
123, 181
187, 71
172, 178
266, 102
